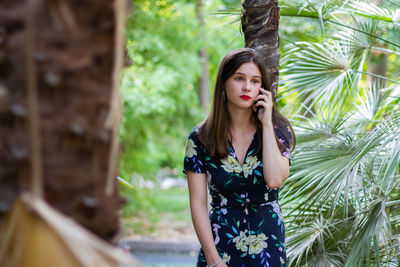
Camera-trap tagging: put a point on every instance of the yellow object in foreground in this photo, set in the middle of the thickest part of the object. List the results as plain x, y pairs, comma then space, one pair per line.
34, 234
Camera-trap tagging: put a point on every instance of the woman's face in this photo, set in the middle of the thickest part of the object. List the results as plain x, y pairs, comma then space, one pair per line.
243, 86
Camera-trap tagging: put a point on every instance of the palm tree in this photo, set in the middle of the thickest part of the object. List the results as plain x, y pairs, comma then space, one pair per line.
59, 70
343, 195
260, 21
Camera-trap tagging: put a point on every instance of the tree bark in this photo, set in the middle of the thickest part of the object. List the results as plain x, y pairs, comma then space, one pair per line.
72, 54
204, 92
260, 22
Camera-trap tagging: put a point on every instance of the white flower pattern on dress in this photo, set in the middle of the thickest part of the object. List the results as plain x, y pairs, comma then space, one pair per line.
277, 209
242, 241
252, 244
224, 201
230, 164
226, 258
257, 243
250, 164
190, 149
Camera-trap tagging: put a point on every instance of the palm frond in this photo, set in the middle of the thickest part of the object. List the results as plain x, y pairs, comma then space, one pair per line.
325, 73
342, 199
342, 24
318, 240
371, 229
364, 38
373, 11
367, 110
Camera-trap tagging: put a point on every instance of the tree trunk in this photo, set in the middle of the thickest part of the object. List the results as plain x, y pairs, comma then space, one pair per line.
204, 93
260, 22
67, 51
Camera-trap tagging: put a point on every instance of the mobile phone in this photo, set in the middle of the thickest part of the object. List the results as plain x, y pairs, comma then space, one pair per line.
259, 107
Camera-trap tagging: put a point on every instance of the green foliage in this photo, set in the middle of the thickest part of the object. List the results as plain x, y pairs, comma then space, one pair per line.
344, 181
146, 208
160, 100
160, 88
154, 201
230, 4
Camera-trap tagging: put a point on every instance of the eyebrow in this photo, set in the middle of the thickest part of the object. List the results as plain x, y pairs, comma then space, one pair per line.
256, 76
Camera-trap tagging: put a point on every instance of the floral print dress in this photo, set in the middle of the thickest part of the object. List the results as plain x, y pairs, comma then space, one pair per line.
246, 219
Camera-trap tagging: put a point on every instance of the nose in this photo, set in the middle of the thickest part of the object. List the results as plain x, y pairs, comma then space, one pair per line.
247, 85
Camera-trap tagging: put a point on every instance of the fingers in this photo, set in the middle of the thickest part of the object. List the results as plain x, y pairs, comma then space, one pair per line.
263, 99
265, 93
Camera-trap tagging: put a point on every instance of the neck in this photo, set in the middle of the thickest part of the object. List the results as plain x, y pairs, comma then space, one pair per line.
241, 121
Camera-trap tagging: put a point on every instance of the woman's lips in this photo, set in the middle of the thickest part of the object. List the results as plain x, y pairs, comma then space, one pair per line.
245, 97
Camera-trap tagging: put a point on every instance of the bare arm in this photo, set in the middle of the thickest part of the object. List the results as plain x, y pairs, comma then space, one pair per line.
201, 222
275, 166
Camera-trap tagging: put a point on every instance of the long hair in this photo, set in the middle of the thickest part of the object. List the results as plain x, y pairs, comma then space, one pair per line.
214, 132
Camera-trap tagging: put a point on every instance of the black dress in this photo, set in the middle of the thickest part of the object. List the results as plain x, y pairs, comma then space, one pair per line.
245, 216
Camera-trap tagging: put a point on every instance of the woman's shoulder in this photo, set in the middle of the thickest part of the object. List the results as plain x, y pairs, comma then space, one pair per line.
195, 130
194, 135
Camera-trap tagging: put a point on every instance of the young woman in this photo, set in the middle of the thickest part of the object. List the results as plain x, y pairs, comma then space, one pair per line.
241, 152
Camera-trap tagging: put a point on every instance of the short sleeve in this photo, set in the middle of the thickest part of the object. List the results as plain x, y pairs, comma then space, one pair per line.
194, 154
285, 140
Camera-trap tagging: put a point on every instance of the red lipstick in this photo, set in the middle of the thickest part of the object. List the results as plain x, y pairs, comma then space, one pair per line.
245, 97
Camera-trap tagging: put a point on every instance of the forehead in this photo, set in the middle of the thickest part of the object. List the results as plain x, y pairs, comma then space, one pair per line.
249, 69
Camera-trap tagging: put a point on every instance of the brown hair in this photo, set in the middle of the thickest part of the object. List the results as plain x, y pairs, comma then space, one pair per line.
214, 132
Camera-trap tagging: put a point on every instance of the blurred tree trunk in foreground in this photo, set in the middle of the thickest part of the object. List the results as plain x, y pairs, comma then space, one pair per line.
72, 55
260, 22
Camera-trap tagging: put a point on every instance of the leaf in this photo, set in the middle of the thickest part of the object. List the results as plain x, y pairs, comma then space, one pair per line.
234, 230
213, 165
229, 235
251, 152
125, 183
257, 172
259, 225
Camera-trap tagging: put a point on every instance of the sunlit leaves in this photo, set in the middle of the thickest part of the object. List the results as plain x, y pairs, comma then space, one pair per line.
344, 181
347, 176
321, 72
374, 11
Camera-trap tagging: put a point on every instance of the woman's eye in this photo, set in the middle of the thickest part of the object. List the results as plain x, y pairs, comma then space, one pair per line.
256, 81
239, 79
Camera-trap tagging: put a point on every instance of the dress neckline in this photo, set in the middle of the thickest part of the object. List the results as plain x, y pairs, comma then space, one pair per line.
233, 152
